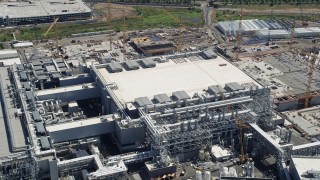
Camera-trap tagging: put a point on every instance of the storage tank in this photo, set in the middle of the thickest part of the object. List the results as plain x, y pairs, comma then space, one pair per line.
207, 155
283, 133
207, 175
198, 175
201, 155
232, 172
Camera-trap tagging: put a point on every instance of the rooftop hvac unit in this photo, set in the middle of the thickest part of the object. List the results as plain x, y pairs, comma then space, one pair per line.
85, 86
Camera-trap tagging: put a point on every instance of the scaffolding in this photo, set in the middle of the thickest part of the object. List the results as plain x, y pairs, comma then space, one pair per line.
204, 120
18, 166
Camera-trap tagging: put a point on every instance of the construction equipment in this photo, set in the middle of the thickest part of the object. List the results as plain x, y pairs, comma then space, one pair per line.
240, 125
51, 26
304, 22
179, 21
124, 26
269, 29
239, 35
109, 18
308, 93
292, 34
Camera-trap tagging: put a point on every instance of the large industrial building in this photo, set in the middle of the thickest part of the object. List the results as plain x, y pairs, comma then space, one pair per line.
94, 122
44, 11
263, 29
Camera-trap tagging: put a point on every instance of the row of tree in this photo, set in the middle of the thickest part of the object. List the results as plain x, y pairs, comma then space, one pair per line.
272, 2
186, 2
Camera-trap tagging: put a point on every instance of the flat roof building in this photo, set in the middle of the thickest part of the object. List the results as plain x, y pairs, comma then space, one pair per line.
168, 77
44, 11
174, 98
305, 167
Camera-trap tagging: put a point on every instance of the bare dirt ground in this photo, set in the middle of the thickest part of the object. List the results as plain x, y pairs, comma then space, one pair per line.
117, 11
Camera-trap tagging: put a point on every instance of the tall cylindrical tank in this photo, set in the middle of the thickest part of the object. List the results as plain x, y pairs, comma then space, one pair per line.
198, 175
201, 155
283, 133
206, 155
207, 175
252, 170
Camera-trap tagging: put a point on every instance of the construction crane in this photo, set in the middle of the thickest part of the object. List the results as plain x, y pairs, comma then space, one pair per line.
240, 125
109, 18
269, 29
51, 26
292, 34
124, 26
304, 22
308, 93
124, 37
239, 34
179, 21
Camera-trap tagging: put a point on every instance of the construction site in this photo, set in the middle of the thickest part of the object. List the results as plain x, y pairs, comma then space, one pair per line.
230, 100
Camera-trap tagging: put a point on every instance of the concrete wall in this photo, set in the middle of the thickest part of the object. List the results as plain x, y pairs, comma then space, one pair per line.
130, 135
75, 95
315, 101
48, 169
108, 104
289, 105
82, 131
75, 81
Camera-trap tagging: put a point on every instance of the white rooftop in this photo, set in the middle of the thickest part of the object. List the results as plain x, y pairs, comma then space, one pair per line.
168, 77
304, 164
74, 124
218, 152
8, 62
42, 8
8, 51
23, 44
63, 89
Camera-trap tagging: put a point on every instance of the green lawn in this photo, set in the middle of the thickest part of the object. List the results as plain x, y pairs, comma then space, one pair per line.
153, 17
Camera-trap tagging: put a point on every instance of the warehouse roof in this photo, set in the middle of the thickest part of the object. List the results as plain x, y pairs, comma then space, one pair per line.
42, 8
168, 77
276, 32
248, 25
305, 165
